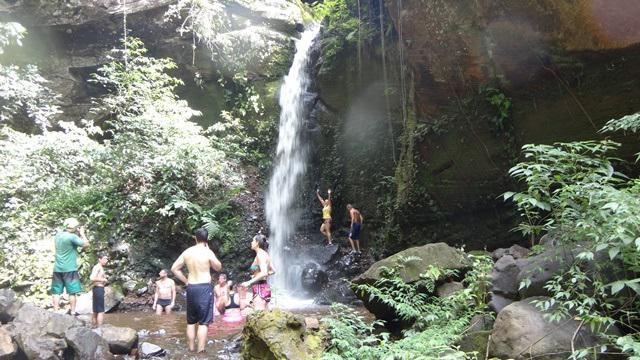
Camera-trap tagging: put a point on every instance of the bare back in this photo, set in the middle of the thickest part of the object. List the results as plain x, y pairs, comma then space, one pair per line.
356, 217
199, 260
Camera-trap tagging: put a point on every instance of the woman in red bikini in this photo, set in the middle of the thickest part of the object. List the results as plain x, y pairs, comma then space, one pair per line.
262, 268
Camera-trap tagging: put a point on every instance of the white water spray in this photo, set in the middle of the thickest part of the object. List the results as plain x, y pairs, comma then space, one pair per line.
290, 162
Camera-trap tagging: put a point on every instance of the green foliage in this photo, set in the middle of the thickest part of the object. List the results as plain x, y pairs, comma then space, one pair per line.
437, 322
147, 184
502, 105
11, 33
244, 131
556, 177
23, 93
629, 123
574, 192
341, 29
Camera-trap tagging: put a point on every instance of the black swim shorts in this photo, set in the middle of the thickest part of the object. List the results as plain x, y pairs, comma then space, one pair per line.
355, 231
164, 302
199, 304
98, 299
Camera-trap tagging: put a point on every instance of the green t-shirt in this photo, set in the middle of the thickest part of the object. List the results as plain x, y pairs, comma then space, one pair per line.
67, 252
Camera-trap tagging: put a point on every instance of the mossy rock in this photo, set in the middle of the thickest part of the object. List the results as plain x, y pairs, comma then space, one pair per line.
439, 254
475, 341
278, 334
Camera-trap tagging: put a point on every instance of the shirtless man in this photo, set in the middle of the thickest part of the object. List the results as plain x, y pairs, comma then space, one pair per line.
165, 297
356, 225
221, 291
199, 260
99, 279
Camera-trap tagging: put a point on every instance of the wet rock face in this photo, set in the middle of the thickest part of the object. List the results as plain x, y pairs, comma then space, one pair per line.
313, 278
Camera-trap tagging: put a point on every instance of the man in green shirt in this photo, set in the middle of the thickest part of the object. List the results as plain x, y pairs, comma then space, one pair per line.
65, 268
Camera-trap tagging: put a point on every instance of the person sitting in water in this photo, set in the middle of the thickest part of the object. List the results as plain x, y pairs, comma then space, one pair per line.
262, 268
222, 293
234, 311
165, 295
325, 228
356, 224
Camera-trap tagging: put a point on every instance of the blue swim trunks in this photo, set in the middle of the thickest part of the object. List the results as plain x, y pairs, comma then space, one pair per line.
354, 234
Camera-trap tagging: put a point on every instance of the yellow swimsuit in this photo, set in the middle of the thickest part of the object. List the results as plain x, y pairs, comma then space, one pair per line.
326, 212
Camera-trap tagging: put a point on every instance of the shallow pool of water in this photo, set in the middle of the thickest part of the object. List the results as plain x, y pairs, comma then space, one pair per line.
168, 332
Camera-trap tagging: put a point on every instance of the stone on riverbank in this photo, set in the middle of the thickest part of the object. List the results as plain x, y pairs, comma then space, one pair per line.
86, 344
278, 334
8, 348
438, 254
121, 340
9, 305
521, 332
112, 297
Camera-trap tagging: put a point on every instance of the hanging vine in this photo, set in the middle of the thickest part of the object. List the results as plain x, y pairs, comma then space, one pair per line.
385, 76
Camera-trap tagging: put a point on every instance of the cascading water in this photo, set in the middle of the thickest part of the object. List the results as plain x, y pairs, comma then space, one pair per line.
290, 163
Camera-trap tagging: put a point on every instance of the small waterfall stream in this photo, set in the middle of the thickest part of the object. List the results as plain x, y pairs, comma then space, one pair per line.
289, 165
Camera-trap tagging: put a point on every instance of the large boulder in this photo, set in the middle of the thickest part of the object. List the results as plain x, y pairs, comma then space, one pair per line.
449, 288
9, 305
522, 332
121, 340
40, 333
86, 344
112, 297
504, 277
8, 348
339, 291
313, 277
277, 334
498, 302
438, 254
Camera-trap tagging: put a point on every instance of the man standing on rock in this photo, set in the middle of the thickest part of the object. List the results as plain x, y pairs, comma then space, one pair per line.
165, 296
356, 225
65, 268
199, 260
99, 281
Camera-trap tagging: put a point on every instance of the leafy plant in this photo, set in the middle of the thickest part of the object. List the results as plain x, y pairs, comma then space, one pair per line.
437, 322
574, 192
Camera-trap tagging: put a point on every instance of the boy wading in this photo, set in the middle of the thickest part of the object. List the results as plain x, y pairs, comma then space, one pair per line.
99, 280
199, 259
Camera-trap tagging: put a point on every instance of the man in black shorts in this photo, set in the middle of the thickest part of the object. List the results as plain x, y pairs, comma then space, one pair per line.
99, 280
165, 295
199, 259
356, 225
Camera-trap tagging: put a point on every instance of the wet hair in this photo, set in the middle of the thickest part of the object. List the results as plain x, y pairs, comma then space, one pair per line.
263, 243
349, 206
202, 235
165, 270
102, 255
223, 274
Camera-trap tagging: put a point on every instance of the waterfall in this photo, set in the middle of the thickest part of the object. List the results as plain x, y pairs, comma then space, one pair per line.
289, 163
